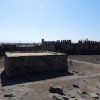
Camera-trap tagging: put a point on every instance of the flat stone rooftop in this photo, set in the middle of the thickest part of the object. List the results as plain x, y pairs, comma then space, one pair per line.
21, 54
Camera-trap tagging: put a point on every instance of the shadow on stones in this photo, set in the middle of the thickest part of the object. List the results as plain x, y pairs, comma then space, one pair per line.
5, 81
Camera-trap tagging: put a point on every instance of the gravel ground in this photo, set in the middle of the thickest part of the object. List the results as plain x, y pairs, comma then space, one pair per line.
87, 58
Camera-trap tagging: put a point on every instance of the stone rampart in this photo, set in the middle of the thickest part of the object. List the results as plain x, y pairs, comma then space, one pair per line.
27, 63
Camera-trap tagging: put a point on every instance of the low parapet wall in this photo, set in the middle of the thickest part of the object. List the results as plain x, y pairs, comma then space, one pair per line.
26, 63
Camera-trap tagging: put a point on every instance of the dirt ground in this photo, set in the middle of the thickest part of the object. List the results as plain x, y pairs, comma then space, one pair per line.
90, 58
84, 72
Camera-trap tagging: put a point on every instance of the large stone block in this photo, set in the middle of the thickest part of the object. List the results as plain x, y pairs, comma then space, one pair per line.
26, 63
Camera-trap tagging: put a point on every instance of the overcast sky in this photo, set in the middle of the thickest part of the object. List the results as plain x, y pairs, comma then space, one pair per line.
32, 20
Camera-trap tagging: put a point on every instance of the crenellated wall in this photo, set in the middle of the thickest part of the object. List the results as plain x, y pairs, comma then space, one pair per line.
66, 46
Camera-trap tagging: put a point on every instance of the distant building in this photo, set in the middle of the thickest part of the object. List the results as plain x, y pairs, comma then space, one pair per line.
66, 46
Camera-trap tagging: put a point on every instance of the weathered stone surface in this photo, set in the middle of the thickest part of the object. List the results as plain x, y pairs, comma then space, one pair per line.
84, 94
26, 63
72, 99
80, 99
75, 72
57, 97
94, 95
8, 95
66, 97
75, 86
57, 89
73, 93
98, 85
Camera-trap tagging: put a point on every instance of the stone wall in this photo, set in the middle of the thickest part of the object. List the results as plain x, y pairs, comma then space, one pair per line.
85, 47
33, 64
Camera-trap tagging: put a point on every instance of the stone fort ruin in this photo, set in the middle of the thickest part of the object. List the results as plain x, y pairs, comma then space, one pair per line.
84, 47
18, 63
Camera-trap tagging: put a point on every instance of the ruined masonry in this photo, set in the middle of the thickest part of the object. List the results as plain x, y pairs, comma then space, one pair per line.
27, 63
